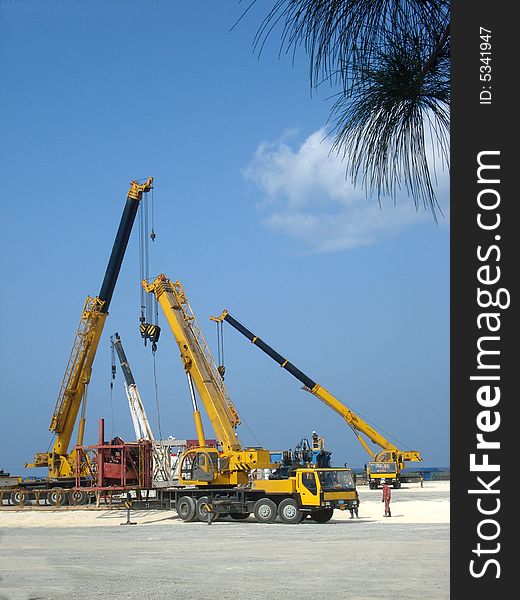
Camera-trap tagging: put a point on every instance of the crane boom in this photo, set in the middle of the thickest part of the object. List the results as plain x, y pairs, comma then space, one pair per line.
142, 428
197, 360
358, 425
203, 465
72, 394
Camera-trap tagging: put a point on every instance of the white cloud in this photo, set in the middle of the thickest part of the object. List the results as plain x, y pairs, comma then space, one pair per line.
308, 198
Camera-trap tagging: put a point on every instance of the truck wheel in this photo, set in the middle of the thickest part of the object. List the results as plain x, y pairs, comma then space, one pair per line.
55, 497
372, 485
397, 485
78, 497
186, 508
322, 516
18, 498
239, 516
265, 510
288, 512
202, 511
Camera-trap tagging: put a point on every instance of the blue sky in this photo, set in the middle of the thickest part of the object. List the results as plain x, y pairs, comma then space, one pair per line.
252, 213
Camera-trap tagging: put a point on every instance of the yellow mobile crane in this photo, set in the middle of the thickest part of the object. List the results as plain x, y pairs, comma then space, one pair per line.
60, 462
221, 479
387, 463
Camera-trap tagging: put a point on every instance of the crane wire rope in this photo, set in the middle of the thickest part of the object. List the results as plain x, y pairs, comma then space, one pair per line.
153, 235
377, 427
141, 263
113, 370
149, 304
242, 420
221, 368
152, 232
157, 395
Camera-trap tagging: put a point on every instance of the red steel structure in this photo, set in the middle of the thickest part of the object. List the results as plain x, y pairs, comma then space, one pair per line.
114, 465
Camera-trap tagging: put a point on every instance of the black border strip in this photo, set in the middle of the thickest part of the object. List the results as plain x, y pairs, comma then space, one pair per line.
476, 128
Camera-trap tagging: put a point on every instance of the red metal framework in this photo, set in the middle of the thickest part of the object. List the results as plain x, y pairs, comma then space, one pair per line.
114, 465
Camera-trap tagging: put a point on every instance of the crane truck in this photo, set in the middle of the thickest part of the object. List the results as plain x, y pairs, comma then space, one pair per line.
218, 481
60, 461
386, 464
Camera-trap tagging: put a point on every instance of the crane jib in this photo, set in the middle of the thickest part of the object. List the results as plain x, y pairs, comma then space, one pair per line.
118, 252
125, 367
284, 363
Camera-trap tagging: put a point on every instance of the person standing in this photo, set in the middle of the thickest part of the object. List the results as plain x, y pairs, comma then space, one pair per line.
387, 495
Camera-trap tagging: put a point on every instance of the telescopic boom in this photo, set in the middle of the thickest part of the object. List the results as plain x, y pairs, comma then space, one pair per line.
73, 391
358, 425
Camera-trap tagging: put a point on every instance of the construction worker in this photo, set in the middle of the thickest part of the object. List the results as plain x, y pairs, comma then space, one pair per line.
387, 495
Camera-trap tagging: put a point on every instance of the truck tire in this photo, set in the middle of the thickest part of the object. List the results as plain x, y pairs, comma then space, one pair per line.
239, 516
324, 515
18, 498
186, 508
397, 485
264, 510
202, 511
55, 497
78, 497
288, 512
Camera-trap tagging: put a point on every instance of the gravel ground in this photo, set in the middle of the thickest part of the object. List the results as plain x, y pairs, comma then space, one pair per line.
370, 558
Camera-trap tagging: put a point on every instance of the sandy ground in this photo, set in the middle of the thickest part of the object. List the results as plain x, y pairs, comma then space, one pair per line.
410, 504
82, 554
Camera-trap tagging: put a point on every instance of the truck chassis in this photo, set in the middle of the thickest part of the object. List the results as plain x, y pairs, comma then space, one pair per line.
208, 504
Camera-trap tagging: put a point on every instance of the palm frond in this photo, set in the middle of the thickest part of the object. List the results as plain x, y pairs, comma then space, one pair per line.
390, 59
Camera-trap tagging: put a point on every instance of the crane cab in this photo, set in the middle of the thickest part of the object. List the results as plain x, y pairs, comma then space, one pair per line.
199, 466
378, 470
203, 466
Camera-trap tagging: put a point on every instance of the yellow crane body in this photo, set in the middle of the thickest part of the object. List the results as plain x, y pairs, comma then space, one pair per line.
214, 481
233, 464
389, 453
295, 485
72, 396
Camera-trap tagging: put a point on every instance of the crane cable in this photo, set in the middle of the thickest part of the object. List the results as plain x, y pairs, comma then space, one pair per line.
156, 395
142, 317
242, 420
221, 368
152, 232
113, 376
149, 304
389, 436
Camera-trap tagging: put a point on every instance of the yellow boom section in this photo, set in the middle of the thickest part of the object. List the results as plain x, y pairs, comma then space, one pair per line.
197, 360
388, 452
72, 395
77, 374
356, 423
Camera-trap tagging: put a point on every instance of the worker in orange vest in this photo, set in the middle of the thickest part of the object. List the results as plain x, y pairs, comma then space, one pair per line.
387, 495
